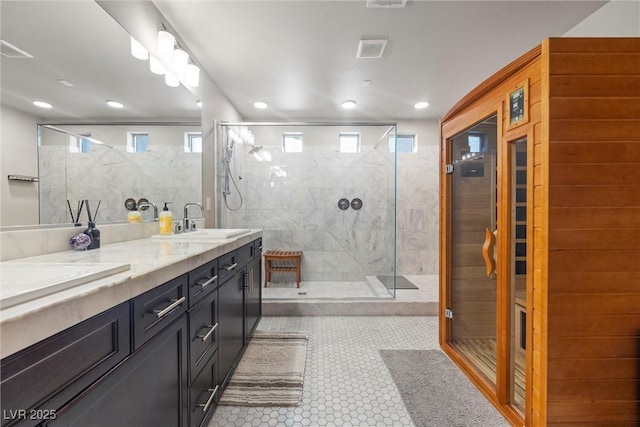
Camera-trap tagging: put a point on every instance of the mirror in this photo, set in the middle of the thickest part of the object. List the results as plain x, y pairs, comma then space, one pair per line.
80, 58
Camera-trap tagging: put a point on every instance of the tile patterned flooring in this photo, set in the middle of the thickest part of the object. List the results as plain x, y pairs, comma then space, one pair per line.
346, 381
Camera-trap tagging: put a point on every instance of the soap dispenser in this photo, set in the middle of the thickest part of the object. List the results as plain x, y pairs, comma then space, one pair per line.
166, 220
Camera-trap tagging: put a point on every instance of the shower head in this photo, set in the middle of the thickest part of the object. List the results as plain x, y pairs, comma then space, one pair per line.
255, 149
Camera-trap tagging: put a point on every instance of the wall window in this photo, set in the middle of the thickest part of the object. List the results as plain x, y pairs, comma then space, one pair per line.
349, 142
292, 142
137, 142
80, 145
193, 142
475, 142
406, 143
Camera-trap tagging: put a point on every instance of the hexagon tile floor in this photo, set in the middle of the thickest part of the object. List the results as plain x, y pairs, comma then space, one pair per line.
346, 380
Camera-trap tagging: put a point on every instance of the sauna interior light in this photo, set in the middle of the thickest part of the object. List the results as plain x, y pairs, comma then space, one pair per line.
261, 105
156, 66
42, 104
421, 105
138, 51
115, 104
349, 104
165, 44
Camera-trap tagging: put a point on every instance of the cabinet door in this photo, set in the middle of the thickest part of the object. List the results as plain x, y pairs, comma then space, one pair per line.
46, 375
149, 388
253, 299
231, 329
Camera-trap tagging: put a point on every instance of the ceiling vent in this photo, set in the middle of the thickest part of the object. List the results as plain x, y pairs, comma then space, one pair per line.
385, 4
371, 48
10, 51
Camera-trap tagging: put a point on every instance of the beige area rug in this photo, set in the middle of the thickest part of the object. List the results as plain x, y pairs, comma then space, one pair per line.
271, 371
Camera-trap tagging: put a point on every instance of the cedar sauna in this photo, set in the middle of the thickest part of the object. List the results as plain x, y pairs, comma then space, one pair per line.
540, 234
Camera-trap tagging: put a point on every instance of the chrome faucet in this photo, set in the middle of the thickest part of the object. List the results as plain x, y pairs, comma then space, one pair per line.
149, 204
187, 223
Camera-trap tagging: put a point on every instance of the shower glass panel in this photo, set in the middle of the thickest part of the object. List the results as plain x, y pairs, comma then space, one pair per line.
473, 258
337, 207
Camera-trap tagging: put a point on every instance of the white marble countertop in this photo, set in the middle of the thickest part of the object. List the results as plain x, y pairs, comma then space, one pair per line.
152, 262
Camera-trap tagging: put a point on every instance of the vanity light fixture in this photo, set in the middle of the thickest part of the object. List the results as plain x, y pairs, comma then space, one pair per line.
199, 103
348, 104
115, 104
171, 80
261, 105
156, 66
165, 44
42, 104
138, 51
421, 105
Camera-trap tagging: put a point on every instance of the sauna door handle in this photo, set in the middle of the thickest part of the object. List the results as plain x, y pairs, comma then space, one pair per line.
488, 249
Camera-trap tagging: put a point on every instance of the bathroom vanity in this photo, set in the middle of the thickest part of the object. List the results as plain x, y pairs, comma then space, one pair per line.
158, 343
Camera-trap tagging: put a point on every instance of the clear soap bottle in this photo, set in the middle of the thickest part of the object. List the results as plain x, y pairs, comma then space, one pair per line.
166, 220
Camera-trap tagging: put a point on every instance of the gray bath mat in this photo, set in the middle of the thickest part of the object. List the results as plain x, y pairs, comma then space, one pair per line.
436, 393
401, 282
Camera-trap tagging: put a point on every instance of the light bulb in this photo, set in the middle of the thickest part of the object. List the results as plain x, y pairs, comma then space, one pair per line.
138, 51
156, 66
192, 76
180, 62
171, 80
166, 40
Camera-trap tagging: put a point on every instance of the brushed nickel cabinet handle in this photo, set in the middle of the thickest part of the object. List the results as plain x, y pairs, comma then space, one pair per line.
231, 267
174, 304
205, 406
208, 334
207, 282
488, 251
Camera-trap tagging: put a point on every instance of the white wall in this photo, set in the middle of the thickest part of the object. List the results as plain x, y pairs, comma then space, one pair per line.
618, 18
18, 200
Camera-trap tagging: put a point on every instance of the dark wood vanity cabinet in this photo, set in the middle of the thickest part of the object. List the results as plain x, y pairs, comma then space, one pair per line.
159, 359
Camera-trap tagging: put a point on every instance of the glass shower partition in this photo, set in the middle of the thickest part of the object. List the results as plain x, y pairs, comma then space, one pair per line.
326, 189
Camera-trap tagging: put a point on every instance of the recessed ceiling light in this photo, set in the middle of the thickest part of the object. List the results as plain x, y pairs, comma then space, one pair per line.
115, 104
199, 103
420, 105
42, 104
260, 105
349, 104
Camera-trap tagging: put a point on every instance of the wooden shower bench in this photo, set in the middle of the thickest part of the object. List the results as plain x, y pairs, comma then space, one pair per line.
276, 257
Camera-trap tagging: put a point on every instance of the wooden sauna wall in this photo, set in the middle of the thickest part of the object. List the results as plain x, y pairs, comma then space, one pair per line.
593, 365
473, 294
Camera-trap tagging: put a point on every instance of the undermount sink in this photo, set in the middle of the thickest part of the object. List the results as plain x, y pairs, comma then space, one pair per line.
24, 281
205, 234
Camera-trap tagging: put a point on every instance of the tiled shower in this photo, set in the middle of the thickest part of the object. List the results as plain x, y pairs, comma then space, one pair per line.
293, 197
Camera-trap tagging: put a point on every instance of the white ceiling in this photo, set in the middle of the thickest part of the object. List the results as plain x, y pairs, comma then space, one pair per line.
299, 56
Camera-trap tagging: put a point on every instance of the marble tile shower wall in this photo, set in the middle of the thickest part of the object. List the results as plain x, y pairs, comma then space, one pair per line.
299, 211
112, 175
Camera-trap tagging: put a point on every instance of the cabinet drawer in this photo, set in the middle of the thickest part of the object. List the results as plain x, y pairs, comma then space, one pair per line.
203, 332
202, 280
56, 369
204, 394
155, 309
245, 254
257, 248
227, 266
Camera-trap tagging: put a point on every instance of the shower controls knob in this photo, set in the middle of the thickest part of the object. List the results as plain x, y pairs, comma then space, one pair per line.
343, 204
356, 204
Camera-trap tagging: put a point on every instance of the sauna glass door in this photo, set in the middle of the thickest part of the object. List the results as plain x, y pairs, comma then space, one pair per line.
473, 224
